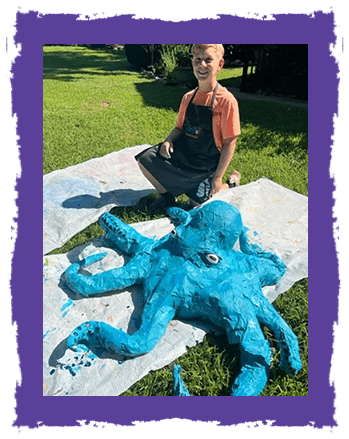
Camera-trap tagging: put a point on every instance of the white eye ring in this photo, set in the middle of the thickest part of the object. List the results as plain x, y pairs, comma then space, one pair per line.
173, 232
213, 258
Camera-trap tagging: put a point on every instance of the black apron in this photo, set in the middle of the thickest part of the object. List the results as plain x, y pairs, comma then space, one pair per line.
195, 156
195, 150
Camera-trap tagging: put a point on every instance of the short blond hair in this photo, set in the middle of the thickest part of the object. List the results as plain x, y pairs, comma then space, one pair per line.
219, 48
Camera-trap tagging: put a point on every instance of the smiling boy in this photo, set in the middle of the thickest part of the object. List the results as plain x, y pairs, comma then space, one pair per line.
196, 154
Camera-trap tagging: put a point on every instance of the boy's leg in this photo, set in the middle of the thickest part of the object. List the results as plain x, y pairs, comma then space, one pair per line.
166, 199
233, 179
202, 192
193, 203
152, 179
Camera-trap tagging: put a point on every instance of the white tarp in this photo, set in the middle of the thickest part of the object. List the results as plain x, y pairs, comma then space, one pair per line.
75, 197
278, 221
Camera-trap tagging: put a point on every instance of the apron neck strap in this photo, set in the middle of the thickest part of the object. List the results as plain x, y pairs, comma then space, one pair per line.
213, 97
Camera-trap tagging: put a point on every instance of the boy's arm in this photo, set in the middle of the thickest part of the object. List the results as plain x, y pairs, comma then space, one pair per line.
167, 147
224, 161
174, 134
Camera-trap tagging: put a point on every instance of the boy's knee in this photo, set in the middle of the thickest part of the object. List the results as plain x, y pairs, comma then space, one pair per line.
202, 192
146, 158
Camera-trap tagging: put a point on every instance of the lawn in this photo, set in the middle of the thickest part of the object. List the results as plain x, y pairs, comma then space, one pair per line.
94, 104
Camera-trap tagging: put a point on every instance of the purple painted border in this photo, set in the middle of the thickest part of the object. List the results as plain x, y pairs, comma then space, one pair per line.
32, 32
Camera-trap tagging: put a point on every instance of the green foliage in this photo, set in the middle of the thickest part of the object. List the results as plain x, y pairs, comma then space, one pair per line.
173, 55
162, 59
77, 126
175, 64
206, 371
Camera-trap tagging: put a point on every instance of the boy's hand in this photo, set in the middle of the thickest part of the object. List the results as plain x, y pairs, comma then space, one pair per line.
216, 185
166, 149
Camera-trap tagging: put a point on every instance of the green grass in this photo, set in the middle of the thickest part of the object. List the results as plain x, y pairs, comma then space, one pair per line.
94, 104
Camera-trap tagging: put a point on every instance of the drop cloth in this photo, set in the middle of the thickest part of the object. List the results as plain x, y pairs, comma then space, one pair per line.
277, 219
75, 197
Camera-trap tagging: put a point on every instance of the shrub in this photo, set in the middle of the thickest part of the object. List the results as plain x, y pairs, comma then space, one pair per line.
164, 59
175, 64
172, 56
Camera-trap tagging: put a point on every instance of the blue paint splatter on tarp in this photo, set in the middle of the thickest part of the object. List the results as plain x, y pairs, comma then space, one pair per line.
65, 306
77, 363
48, 331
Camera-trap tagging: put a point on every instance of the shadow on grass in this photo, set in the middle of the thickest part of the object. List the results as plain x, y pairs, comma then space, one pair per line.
64, 65
159, 95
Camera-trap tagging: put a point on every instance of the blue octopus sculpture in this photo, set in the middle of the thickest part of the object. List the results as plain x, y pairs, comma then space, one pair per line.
193, 273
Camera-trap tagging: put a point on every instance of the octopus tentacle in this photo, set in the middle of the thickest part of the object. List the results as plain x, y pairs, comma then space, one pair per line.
116, 279
255, 362
179, 216
102, 335
243, 327
270, 266
125, 237
288, 343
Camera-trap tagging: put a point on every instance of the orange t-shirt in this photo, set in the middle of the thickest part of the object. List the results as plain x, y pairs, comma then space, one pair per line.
226, 118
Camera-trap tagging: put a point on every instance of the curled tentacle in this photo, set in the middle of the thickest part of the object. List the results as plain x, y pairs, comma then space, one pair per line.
116, 279
96, 335
102, 335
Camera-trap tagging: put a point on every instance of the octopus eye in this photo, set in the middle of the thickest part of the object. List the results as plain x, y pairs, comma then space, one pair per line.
212, 258
173, 232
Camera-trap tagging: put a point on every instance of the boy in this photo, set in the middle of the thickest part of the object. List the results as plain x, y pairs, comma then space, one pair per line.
197, 152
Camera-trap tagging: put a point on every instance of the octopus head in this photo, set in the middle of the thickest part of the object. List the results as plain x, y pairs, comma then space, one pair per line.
210, 230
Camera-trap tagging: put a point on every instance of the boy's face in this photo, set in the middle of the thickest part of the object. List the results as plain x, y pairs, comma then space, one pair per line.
206, 64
